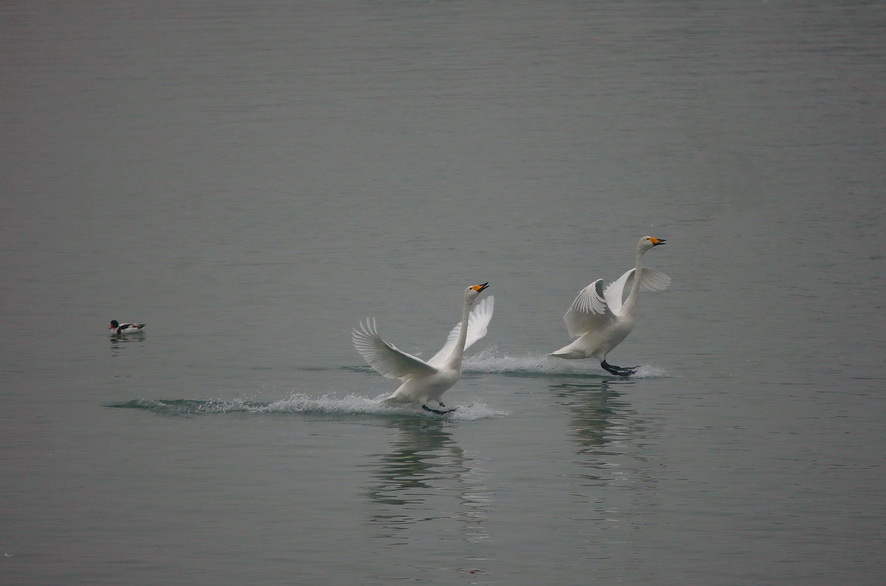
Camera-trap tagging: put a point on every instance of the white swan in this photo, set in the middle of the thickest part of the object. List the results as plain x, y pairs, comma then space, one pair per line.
600, 318
424, 382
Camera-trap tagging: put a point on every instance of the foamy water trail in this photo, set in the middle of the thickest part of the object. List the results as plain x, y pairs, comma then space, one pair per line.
300, 403
492, 361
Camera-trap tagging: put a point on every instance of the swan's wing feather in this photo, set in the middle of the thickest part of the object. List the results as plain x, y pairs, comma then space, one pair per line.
478, 321
652, 281
478, 325
386, 358
614, 291
589, 311
444, 352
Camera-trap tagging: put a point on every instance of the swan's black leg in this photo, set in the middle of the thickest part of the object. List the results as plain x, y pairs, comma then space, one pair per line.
437, 411
619, 370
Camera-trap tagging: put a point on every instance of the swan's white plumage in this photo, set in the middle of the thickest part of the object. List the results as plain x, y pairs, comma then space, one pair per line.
602, 316
387, 359
478, 324
425, 381
589, 310
597, 305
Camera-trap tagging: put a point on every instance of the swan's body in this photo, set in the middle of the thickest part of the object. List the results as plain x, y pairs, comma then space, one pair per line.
425, 382
601, 317
125, 328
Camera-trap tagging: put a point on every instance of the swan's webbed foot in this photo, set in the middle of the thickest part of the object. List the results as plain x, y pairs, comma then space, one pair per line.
619, 370
438, 411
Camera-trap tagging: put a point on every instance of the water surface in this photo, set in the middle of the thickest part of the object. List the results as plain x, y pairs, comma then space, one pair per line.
252, 180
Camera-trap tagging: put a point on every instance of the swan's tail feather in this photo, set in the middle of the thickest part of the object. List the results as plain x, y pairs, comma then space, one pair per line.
571, 351
400, 397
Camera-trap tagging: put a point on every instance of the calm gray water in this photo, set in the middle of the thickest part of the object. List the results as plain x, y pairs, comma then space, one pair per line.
252, 179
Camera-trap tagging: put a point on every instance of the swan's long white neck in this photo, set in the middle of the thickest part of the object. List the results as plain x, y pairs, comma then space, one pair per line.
458, 352
630, 303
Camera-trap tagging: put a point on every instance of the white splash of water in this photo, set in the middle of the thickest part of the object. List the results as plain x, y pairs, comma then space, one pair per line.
331, 405
359, 405
493, 361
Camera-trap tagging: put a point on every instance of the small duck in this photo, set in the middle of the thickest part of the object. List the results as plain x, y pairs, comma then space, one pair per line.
125, 328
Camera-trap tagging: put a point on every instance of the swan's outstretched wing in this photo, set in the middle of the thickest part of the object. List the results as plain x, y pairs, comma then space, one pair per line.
589, 311
651, 281
386, 358
478, 325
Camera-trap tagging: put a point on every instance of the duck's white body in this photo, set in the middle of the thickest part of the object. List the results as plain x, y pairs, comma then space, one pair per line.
601, 317
125, 328
425, 382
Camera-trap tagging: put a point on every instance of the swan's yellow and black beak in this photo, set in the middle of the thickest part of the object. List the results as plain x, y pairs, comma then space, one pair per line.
480, 288
657, 241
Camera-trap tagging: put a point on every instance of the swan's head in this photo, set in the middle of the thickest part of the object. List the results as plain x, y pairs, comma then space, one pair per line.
474, 290
648, 243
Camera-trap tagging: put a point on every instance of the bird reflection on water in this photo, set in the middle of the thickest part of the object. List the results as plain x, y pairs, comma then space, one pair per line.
605, 427
427, 478
120, 343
